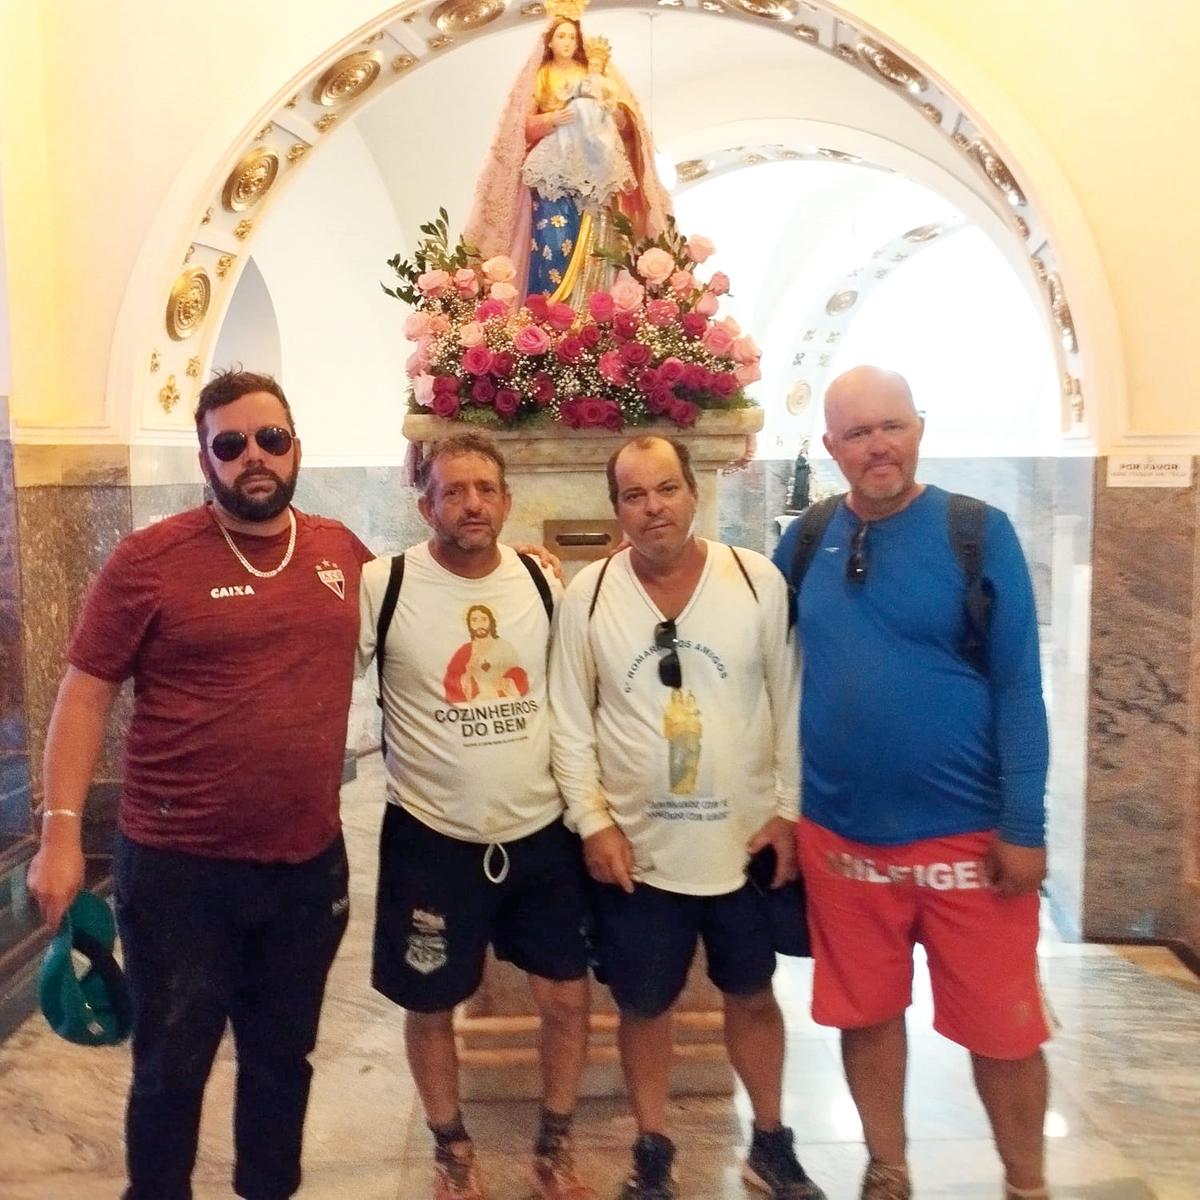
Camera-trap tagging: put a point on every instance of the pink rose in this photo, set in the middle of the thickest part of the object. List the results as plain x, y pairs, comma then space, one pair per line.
671, 370
693, 324
423, 390
541, 388
745, 351
730, 324
748, 373
560, 316
697, 378
683, 413
416, 326
504, 292
507, 401
601, 307
419, 360
647, 380
661, 312
614, 419
489, 309
477, 360
625, 324
439, 323
724, 384
530, 340
433, 283
682, 282
611, 369
655, 266
499, 269
466, 283
538, 305
699, 249
706, 306
589, 335
445, 405
660, 399
635, 354
503, 362
471, 334
627, 293
718, 340
445, 383
570, 349
592, 411
483, 390
719, 283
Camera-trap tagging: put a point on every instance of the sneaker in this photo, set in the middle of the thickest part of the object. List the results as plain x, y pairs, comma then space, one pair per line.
653, 1176
457, 1177
773, 1167
554, 1176
882, 1182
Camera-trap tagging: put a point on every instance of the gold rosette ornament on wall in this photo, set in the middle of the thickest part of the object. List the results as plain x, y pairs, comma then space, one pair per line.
188, 303
250, 180
348, 78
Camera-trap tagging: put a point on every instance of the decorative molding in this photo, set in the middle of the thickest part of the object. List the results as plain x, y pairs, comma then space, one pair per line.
242, 229
155, 361
348, 78
325, 123
462, 16
250, 180
223, 264
296, 151
168, 395
188, 303
193, 367
890, 67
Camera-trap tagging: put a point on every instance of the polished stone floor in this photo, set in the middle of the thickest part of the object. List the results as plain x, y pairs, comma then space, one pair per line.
1124, 1125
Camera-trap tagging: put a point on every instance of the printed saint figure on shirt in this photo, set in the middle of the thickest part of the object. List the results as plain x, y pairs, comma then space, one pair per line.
486, 667
682, 729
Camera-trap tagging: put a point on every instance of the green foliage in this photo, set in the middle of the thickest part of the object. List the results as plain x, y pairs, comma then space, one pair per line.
433, 253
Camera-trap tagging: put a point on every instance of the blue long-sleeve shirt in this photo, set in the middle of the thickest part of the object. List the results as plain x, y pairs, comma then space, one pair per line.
902, 739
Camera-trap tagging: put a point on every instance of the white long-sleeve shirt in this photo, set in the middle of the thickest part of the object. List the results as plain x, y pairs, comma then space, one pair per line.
688, 774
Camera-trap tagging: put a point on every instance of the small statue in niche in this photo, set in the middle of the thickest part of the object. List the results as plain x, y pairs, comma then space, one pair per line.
800, 492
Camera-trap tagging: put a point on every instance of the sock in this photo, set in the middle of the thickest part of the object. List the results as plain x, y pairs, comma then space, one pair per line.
1037, 1193
444, 1136
554, 1127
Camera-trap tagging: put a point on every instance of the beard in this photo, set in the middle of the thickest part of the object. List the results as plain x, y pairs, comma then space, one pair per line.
238, 504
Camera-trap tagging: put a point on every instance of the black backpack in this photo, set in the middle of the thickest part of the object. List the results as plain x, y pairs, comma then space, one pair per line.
965, 522
391, 594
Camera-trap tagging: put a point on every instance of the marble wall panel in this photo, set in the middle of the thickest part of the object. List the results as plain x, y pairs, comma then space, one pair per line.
12, 676
1142, 734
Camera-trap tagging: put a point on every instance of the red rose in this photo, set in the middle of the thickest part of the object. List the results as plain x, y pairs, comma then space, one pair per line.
647, 380
724, 384
592, 411
483, 390
671, 370
611, 368
447, 384
541, 388
693, 324
661, 312
568, 413
560, 316
502, 364
589, 335
625, 325
538, 305
570, 349
508, 400
697, 378
477, 360
683, 413
635, 354
601, 307
444, 405
613, 417
660, 398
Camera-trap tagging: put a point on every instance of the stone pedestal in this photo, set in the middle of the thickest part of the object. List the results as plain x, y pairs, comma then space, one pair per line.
556, 475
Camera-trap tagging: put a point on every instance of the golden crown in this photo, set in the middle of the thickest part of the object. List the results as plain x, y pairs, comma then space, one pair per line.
597, 46
573, 9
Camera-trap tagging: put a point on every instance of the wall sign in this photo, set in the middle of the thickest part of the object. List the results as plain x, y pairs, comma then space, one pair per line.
1150, 470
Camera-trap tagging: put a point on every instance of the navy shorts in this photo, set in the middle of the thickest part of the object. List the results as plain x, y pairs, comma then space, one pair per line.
437, 910
645, 942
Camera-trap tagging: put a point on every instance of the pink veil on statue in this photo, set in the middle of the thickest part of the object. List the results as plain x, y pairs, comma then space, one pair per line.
500, 218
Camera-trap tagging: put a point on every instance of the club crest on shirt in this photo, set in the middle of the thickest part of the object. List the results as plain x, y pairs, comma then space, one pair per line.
330, 574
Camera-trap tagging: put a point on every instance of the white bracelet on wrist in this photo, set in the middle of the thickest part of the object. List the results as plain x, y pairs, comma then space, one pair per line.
60, 812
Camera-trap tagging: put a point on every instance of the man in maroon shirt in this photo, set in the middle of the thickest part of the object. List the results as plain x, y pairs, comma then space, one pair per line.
237, 622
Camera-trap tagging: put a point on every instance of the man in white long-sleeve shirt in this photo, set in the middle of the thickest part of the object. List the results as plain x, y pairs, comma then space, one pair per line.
674, 696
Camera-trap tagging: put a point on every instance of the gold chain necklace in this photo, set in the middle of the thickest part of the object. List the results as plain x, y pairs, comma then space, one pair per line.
287, 558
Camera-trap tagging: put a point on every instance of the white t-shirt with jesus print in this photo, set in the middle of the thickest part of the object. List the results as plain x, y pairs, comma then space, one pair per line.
465, 715
689, 774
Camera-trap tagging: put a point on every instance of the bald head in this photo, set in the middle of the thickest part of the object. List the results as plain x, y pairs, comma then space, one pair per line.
873, 432
861, 387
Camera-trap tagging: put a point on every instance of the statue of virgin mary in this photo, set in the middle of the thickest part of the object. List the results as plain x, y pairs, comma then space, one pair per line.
571, 149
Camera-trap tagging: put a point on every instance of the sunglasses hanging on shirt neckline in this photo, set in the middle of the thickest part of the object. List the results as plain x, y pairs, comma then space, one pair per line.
670, 674
856, 564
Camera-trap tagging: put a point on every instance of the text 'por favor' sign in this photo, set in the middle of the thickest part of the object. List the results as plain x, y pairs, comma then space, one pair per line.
1150, 470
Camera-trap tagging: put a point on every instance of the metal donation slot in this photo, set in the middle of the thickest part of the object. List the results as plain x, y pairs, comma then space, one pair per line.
581, 541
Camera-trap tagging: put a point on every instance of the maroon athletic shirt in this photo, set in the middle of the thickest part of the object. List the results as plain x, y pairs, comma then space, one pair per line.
241, 685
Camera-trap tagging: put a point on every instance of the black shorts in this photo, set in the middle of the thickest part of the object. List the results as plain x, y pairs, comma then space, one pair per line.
645, 943
436, 910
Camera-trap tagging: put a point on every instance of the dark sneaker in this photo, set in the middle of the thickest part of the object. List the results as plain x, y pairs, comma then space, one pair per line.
882, 1182
653, 1176
457, 1177
773, 1167
554, 1175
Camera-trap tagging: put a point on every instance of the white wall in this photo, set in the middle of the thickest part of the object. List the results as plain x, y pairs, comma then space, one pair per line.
249, 335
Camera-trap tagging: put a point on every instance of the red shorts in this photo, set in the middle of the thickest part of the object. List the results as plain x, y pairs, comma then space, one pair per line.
869, 905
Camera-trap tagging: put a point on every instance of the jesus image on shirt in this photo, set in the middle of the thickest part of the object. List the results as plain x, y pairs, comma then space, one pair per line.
485, 667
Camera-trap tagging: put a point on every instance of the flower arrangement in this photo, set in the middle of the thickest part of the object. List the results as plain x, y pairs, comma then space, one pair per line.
648, 348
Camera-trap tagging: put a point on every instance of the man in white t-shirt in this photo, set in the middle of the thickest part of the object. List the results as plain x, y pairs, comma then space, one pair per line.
473, 849
674, 693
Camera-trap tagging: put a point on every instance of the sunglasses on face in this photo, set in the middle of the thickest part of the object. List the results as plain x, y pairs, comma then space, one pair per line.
856, 564
274, 439
670, 674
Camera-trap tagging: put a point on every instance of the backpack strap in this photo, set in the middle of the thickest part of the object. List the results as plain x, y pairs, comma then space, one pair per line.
539, 581
745, 574
966, 518
596, 589
813, 523
386, 611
